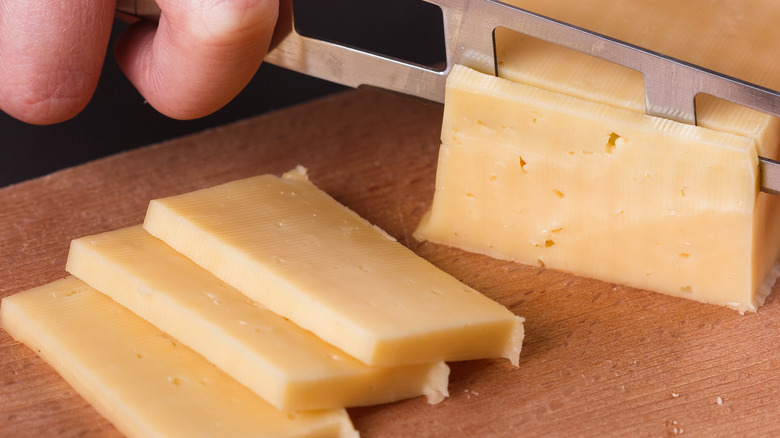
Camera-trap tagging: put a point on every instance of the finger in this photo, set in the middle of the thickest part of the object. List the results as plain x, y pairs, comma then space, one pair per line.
201, 54
51, 54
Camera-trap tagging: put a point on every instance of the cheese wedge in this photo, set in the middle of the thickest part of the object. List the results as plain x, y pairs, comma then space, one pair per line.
291, 247
540, 177
143, 381
289, 367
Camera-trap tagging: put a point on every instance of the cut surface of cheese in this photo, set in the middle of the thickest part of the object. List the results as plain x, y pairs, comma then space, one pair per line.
544, 178
290, 246
142, 380
731, 38
283, 363
666, 239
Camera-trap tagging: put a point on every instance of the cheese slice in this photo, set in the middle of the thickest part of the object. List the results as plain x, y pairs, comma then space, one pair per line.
291, 247
286, 365
545, 178
143, 381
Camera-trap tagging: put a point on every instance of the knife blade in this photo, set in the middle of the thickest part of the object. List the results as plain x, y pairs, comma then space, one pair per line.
671, 85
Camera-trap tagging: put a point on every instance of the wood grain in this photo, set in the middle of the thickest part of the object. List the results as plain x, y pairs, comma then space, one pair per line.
598, 359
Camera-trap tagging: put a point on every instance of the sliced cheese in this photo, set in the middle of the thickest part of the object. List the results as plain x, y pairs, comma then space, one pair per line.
291, 247
286, 365
143, 381
540, 177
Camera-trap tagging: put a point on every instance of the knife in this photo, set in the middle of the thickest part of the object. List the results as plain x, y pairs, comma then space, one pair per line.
671, 85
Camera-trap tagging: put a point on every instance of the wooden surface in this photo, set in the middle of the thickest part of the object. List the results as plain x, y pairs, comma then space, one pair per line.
598, 359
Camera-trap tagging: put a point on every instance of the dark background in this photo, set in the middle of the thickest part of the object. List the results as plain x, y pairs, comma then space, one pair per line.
117, 118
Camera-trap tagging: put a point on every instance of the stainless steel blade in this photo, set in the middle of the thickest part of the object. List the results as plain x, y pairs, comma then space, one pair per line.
671, 85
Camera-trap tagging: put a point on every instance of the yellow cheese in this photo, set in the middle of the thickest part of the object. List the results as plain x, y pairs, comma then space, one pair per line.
286, 365
647, 208
142, 380
288, 245
541, 177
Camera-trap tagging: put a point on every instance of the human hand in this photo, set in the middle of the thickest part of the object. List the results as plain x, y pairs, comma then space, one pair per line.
199, 57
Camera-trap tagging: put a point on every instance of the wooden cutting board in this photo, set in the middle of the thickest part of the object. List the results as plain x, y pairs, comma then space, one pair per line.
598, 359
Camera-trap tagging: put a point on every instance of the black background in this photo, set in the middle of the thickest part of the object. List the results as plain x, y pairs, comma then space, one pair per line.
117, 118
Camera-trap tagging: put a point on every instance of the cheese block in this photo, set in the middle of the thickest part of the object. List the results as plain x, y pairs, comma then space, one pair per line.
545, 178
290, 246
286, 365
661, 218
731, 38
142, 380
